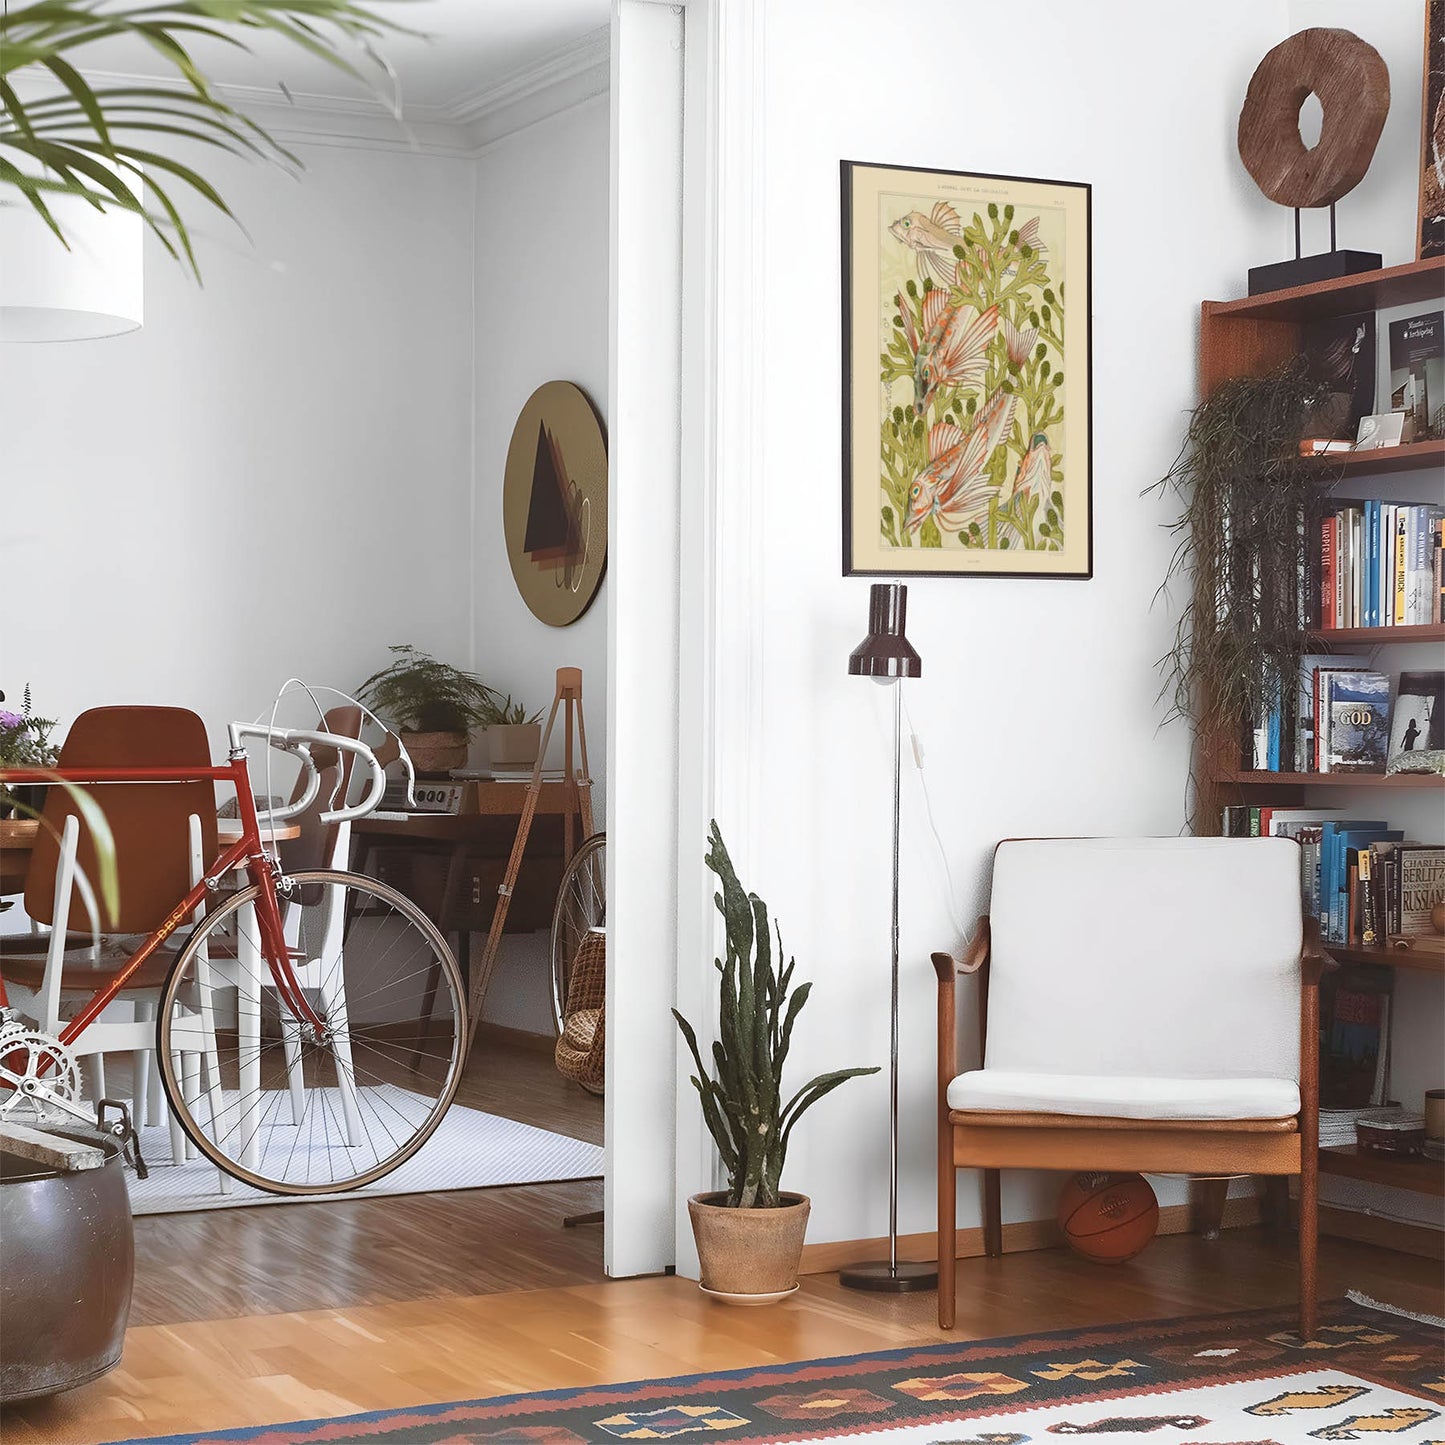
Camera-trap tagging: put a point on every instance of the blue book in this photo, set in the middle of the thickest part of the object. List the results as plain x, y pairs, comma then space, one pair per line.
1372, 565
1351, 834
1272, 754
1331, 861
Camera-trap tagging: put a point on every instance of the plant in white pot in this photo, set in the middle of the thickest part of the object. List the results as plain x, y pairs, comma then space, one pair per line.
750, 1236
434, 704
513, 738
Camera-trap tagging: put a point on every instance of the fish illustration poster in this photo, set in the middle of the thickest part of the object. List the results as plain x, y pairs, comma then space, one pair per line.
966, 374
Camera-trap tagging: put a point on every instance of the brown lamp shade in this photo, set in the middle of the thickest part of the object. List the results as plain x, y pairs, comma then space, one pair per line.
886, 652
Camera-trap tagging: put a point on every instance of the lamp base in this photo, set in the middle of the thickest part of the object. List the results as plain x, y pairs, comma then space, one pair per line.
880, 1277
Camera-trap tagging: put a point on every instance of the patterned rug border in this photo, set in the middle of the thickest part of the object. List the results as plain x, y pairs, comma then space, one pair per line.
962, 1352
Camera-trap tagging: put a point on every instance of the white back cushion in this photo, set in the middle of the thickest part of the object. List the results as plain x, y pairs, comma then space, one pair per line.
1170, 957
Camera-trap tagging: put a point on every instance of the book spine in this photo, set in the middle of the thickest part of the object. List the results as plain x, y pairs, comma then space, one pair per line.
1327, 574
1437, 603
1398, 605
1322, 722
1369, 933
1386, 593
1372, 563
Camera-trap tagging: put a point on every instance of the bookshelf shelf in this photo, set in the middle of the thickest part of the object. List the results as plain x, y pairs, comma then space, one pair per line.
1414, 1172
1330, 780
1408, 457
1421, 962
1377, 636
1366, 291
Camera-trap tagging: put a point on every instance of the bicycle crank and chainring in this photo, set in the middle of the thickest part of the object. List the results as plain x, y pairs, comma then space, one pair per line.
38, 1075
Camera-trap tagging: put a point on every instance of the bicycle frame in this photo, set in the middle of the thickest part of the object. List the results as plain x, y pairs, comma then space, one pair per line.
248, 850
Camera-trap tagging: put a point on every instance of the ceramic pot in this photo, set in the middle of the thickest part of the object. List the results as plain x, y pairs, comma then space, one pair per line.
749, 1256
434, 755
513, 745
69, 1264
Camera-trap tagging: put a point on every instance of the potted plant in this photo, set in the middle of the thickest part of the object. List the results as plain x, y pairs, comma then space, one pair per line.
24, 743
513, 738
434, 704
750, 1235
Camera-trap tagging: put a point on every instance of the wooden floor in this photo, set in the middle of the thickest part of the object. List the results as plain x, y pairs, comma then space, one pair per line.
225, 1263
256, 1316
266, 1369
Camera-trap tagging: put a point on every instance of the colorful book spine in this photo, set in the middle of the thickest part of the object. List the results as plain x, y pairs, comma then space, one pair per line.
1398, 605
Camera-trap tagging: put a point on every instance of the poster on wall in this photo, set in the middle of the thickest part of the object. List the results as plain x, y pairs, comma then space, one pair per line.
966, 374
1432, 139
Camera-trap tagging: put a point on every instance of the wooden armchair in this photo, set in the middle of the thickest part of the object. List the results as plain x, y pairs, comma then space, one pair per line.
1144, 1004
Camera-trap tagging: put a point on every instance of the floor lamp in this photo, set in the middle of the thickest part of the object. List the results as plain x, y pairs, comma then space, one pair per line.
886, 656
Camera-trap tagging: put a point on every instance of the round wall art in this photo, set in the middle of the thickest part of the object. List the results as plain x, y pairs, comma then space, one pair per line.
554, 503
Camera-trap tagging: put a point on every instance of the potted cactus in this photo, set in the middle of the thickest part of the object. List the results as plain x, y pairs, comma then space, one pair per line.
750, 1235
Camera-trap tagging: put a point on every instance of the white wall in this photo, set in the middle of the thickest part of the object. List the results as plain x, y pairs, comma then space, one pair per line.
1037, 707
303, 420
541, 279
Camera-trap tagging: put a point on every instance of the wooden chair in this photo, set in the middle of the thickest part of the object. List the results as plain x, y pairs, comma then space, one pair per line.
163, 834
1144, 1005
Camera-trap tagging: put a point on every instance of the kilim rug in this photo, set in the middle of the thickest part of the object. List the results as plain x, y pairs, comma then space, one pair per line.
1237, 1379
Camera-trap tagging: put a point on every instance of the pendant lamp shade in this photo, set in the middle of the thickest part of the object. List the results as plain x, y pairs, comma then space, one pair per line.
886, 654
49, 293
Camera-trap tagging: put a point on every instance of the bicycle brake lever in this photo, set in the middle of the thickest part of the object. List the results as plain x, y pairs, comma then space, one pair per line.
125, 1131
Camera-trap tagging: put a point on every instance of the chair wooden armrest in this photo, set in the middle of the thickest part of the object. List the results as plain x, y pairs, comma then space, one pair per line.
947, 968
974, 958
1313, 960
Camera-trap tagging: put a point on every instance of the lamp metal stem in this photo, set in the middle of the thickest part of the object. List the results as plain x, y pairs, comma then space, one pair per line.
893, 1001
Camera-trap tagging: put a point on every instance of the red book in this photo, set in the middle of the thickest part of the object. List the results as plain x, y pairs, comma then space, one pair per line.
1328, 528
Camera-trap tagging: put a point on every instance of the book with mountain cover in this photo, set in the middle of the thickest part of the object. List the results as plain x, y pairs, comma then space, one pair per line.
1356, 716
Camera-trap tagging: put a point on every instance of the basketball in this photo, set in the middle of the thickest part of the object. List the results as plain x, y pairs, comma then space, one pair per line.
1108, 1217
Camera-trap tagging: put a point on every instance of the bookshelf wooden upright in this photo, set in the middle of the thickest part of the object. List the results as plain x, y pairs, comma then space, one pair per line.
1251, 337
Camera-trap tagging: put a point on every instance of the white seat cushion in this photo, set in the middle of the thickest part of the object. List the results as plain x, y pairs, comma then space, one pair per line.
1119, 1097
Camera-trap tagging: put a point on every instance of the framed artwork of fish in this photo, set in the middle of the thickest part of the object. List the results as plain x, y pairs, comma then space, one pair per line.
966, 374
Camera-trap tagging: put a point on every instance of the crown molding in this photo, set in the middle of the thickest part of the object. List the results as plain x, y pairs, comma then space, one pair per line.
565, 78
568, 76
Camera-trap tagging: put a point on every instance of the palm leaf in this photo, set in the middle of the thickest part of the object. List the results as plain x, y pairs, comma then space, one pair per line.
56, 142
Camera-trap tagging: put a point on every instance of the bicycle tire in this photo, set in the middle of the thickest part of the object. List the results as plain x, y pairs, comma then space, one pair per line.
581, 904
199, 981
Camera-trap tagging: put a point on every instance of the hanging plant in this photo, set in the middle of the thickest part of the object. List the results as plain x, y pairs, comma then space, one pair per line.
1247, 493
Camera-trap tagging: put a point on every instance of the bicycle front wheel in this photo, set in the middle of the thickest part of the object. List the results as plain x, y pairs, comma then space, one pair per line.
280, 1104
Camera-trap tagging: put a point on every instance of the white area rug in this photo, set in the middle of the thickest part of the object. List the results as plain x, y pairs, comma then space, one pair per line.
470, 1150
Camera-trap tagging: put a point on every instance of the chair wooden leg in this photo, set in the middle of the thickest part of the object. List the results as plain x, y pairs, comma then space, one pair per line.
947, 1223
1276, 1205
1206, 1198
1308, 1244
992, 1214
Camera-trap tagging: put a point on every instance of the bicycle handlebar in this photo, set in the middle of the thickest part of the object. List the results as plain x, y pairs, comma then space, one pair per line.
300, 741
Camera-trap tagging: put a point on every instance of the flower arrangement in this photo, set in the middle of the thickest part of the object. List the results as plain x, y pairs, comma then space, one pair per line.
25, 738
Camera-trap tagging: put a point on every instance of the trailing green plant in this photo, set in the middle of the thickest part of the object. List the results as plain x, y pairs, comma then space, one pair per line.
417, 692
503, 712
742, 1102
97, 142
1242, 537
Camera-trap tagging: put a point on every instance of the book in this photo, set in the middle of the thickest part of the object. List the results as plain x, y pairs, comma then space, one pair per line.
1417, 369
1420, 587
1417, 721
1419, 884
1355, 716
1305, 759
1355, 1038
1340, 354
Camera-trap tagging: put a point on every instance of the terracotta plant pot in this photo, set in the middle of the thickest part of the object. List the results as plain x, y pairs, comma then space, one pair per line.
749, 1256
513, 745
434, 755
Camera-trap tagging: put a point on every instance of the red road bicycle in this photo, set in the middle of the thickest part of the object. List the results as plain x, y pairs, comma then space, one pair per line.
311, 1028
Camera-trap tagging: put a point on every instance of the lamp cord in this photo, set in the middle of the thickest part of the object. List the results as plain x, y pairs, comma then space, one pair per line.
916, 749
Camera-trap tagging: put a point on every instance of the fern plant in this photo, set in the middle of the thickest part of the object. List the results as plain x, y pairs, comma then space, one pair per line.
742, 1102
74, 138
419, 693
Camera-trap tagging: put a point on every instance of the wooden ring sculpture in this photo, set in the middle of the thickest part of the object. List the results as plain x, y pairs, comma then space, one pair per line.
1353, 86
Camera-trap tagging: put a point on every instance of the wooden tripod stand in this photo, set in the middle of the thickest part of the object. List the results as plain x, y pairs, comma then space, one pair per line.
577, 781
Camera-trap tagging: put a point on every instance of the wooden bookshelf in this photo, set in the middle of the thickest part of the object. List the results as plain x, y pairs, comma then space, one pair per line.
1248, 779
1382, 461
1423, 961
1399, 1171
1365, 291
1253, 336
1377, 636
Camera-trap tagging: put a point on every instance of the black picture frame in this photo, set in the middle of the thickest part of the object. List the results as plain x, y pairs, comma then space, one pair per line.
1017, 541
